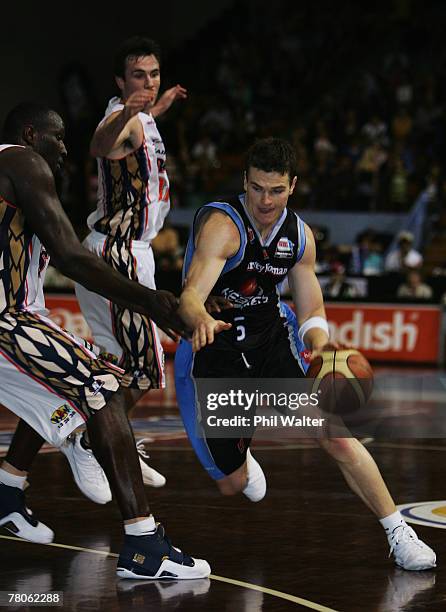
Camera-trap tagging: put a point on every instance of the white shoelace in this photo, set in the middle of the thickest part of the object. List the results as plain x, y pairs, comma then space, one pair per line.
141, 449
403, 534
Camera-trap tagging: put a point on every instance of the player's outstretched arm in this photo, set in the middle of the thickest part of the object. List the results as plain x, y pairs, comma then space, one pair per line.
121, 132
217, 240
36, 196
307, 297
167, 99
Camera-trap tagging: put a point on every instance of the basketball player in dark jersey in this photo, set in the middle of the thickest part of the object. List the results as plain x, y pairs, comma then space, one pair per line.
49, 378
242, 249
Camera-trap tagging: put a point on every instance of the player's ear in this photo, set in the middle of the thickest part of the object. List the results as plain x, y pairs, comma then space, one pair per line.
245, 181
119, 83
293, 184
29, 135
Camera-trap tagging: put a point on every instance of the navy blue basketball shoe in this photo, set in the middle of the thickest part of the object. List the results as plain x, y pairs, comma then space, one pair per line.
154, 558
17, 519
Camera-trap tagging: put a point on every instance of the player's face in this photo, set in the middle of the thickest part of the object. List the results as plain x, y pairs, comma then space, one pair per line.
267, 195
140, 73
49, 143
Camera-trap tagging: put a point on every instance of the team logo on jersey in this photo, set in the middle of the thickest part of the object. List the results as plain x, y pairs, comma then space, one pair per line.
62, 415
306, 356
96, 386
429, 513
250, 233
43, 260
284, 248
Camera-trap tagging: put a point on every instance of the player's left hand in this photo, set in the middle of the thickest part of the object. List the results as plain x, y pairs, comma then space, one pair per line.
205, 332
167, 99
329, 346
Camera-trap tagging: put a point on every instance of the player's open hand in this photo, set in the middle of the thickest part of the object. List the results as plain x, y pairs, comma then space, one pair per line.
217, 303
205, 332
162, 309
168, 98
330, 346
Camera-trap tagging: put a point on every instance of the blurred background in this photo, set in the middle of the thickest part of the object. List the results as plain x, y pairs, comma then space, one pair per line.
359, 90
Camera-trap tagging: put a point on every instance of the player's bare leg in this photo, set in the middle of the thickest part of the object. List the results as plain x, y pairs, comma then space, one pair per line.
234, 483
248, 479
25, 445
151, 477
146, 553
361, 473
364, 479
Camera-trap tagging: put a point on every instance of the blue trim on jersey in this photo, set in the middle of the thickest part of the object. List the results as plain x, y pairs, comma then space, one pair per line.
297, 346
234, 261
302, 238
187, 402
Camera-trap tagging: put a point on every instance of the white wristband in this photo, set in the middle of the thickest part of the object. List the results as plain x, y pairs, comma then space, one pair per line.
310, 323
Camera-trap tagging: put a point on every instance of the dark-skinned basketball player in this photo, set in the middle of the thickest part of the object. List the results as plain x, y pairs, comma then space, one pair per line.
50, 379
254, 237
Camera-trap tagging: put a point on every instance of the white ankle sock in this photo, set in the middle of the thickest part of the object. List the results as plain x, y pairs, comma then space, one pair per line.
11, 480
145, 527
392, 521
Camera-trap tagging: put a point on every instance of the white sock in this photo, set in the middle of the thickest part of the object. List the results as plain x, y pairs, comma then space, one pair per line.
11, 480
144, 527
392, 521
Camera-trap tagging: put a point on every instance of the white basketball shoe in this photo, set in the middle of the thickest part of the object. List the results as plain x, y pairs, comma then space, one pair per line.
88, 474
90, 477
409, 551
255, 490
150, 476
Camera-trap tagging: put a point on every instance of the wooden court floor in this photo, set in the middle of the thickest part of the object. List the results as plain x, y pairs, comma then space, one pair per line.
309, 545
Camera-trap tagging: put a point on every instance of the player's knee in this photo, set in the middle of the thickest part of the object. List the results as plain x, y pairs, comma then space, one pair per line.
231, 485
341, 449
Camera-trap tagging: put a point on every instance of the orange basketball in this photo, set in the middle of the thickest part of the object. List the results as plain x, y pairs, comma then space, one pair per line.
344, 381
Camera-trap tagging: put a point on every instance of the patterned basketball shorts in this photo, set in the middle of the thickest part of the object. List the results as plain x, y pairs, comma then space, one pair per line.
49, 378
128, 338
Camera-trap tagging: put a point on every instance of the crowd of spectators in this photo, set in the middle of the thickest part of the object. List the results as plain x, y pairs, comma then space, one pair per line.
361, 101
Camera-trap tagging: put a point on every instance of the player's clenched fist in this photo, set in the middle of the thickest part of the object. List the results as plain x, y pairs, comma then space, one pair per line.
137, 102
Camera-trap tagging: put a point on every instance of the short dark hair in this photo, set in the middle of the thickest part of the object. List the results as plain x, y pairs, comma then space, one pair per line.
26, 113
272, 155
136, 46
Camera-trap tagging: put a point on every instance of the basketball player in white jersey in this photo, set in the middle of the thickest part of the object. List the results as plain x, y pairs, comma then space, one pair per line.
133, 201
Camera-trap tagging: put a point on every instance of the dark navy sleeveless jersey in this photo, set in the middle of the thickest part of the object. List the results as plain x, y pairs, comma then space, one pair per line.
250, 279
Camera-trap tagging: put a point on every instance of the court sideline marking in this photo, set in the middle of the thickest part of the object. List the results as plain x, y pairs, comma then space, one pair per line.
247, 585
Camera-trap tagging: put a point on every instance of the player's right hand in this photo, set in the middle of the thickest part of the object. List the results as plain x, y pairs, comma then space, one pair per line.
205, 332
217, 303
136, 102
162, 308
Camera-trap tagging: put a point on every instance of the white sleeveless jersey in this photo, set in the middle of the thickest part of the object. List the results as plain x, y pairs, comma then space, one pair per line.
23, 261
133, 192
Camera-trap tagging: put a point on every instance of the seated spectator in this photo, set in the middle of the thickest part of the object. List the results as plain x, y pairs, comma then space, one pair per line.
376, 130
404, 257
361, 251
338, 286
373, 264
414, 287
